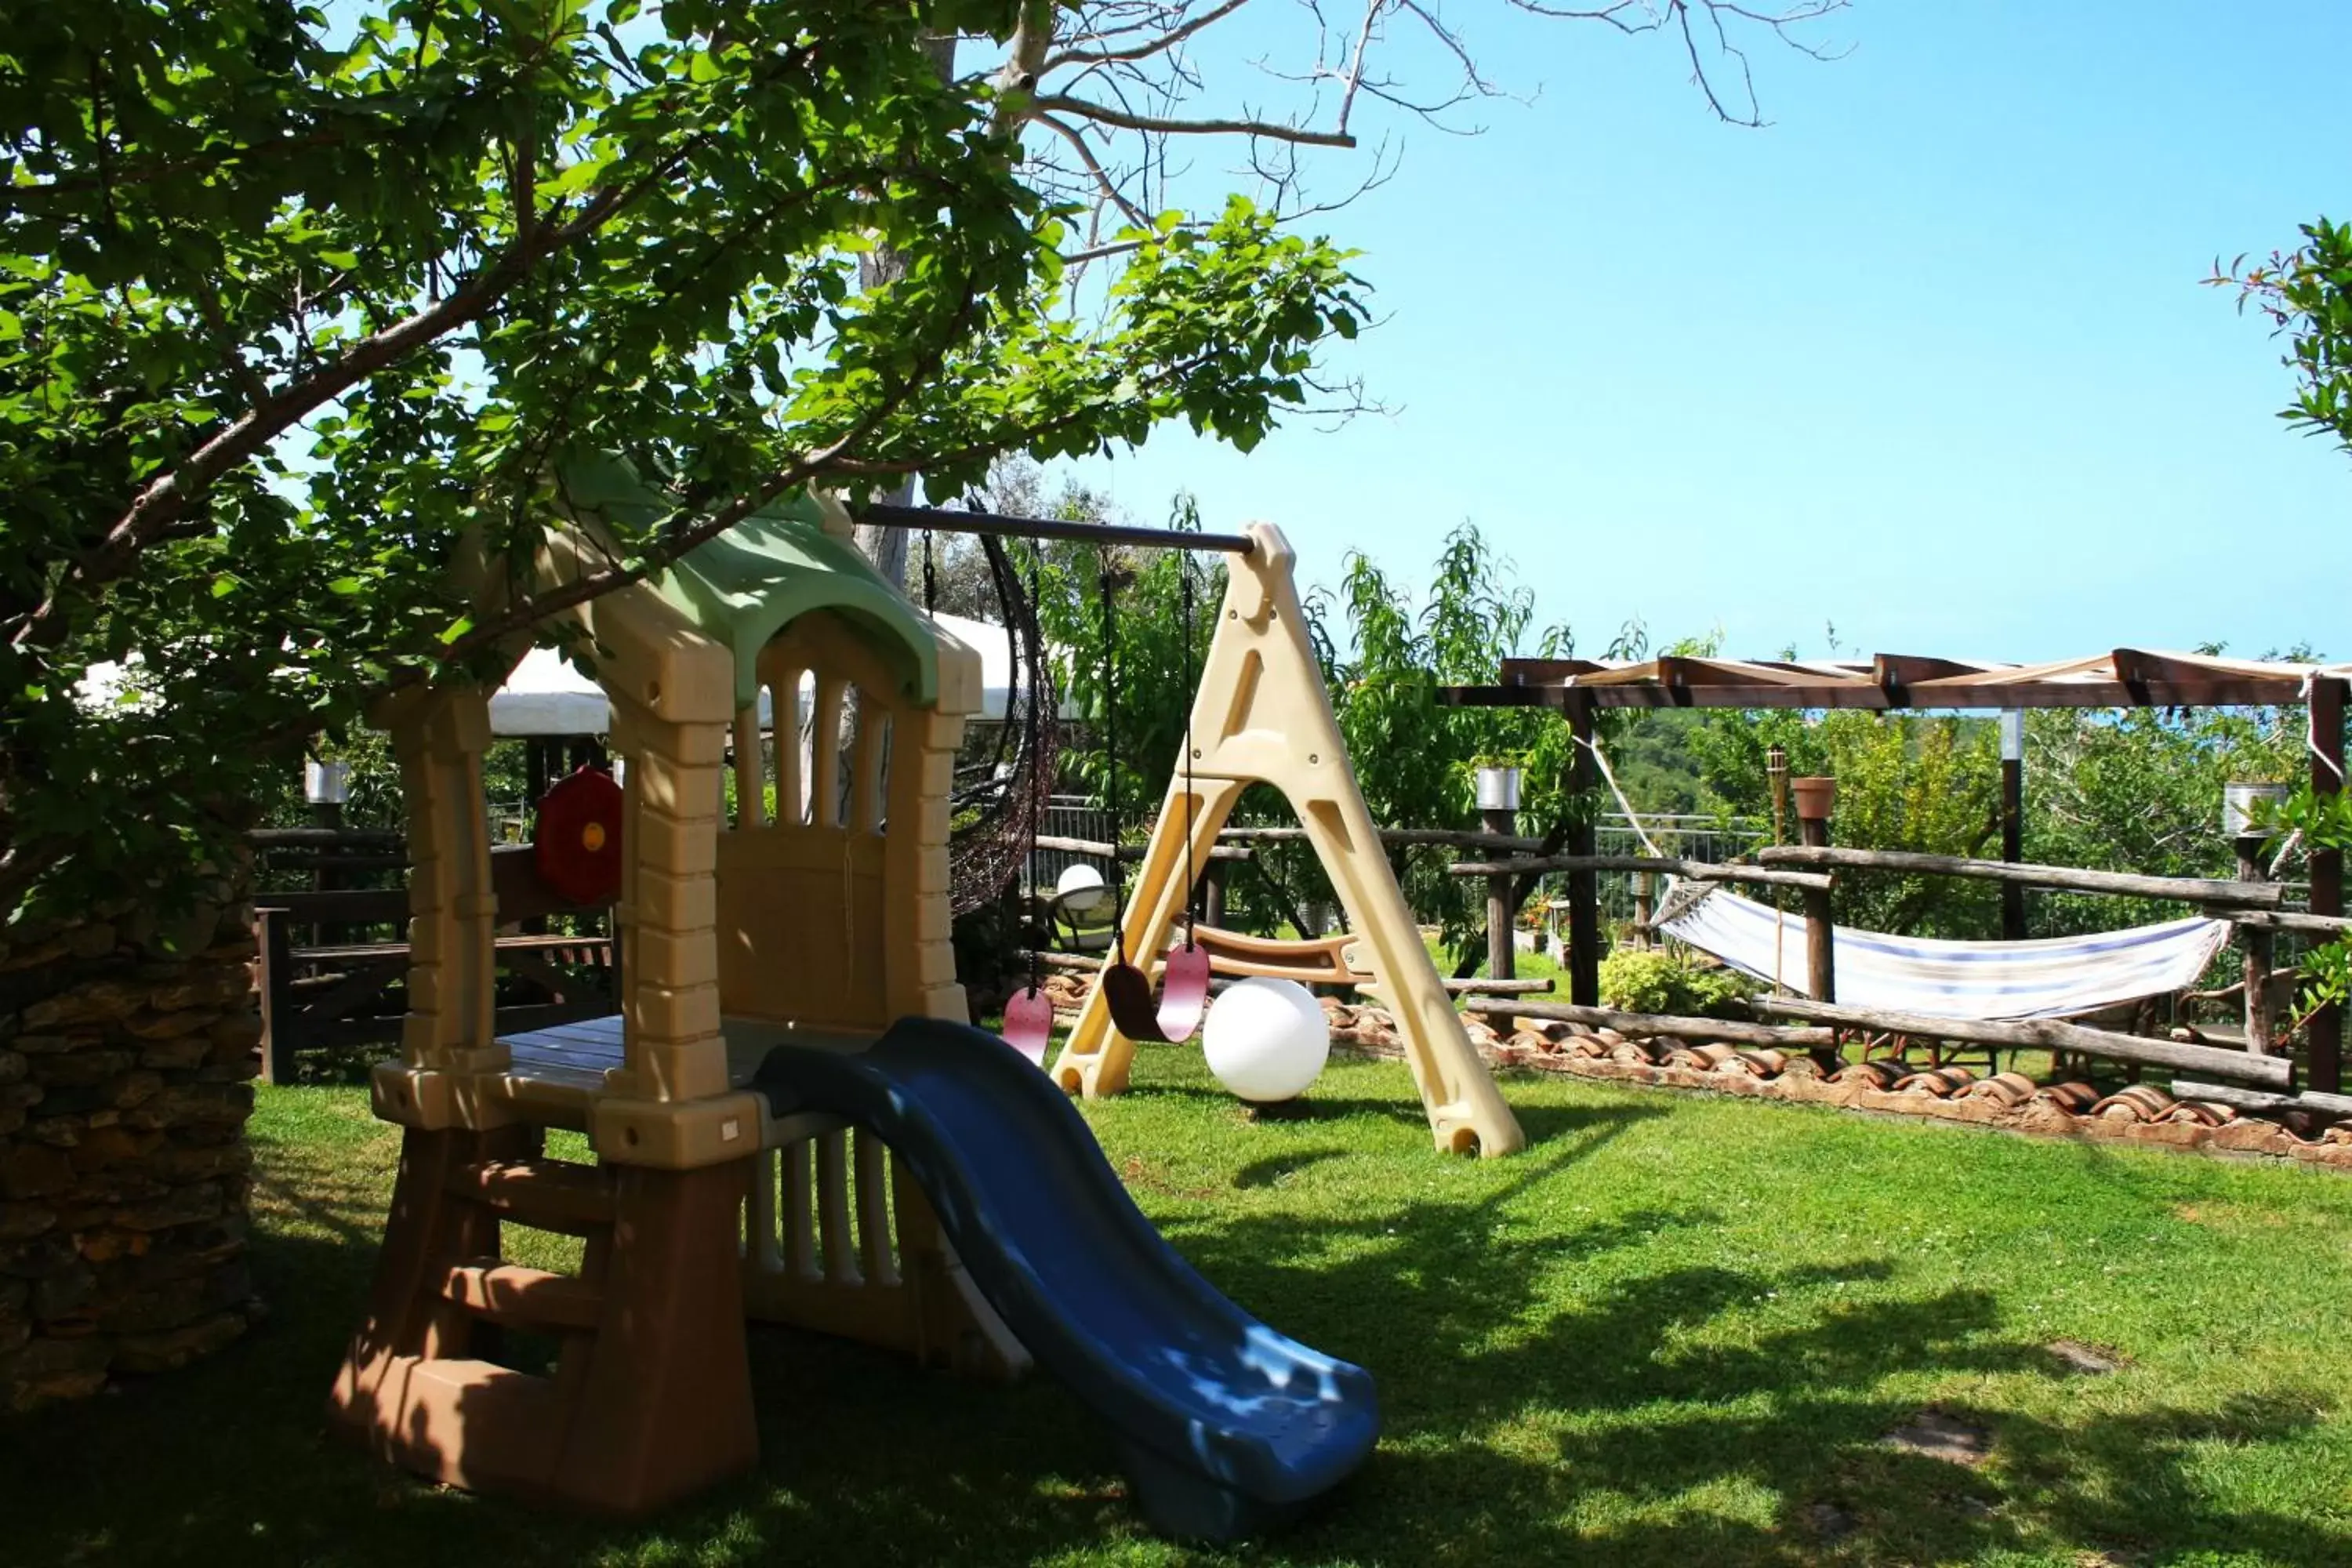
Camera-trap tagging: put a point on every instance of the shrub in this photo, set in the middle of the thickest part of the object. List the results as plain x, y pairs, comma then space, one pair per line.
1646, 981
1638, 981
1717, 993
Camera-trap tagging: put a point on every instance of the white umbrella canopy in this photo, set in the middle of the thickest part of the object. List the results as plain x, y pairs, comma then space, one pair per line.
997, 665
548, 695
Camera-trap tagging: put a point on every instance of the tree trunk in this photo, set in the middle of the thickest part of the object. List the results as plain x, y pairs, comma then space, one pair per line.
887, 547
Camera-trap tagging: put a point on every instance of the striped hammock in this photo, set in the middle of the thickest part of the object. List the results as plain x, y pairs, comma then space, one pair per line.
2055, 977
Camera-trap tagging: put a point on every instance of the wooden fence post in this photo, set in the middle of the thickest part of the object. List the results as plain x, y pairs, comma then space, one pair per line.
2258, 948
2327, 869
1498, 812
1583, 887
2013, 820
273, 944
1816, 799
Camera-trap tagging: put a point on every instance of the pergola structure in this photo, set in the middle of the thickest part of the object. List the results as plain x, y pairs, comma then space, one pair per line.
1578, 688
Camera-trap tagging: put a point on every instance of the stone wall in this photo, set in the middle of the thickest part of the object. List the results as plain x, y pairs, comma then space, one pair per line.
126, 1051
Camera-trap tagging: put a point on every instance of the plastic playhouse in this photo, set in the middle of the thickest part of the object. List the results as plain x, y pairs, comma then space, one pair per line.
791, 1120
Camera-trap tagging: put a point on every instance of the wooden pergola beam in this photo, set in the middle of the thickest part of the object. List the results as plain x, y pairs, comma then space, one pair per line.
2249, 691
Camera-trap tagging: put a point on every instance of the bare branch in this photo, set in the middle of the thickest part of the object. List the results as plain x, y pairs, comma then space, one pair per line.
1111, 191
1356, 64
1096, 252
1636, 17
1149, 47
1062, 104
1705, 84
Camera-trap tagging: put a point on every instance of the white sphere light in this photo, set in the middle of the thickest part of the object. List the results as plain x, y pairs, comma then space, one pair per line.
1266, 1040
1081, 887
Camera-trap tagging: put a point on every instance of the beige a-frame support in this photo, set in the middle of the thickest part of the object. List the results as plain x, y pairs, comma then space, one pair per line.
1260, 715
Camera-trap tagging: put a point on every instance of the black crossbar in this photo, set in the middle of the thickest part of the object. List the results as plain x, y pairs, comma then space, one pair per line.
940, 520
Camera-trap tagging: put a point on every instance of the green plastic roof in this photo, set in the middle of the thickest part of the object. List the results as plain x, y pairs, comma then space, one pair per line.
775, 565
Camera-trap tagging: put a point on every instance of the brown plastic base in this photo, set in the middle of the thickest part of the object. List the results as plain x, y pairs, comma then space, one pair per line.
650, 1398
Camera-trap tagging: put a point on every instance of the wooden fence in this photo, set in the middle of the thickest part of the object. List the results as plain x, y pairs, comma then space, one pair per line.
333, 958
2259, 1056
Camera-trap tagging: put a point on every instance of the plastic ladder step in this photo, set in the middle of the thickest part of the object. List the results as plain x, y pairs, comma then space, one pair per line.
546, 1194
517, 1297
473, 1422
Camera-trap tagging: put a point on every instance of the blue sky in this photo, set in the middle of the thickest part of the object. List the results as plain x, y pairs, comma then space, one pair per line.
1926, 358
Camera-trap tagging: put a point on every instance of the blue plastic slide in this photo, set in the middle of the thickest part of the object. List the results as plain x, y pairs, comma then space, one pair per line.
1225, 1427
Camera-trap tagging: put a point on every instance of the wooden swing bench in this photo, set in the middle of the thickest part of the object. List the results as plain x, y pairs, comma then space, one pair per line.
1310, 961
1321, 961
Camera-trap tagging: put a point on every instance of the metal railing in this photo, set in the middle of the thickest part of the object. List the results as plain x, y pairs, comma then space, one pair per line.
1711, 839
1073, 816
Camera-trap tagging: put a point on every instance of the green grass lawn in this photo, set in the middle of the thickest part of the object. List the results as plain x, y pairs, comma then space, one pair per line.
1671, 1333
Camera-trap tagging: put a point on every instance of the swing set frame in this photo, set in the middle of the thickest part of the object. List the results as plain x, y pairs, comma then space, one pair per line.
1260, 714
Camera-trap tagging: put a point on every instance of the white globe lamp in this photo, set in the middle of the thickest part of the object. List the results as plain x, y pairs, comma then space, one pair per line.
1081, 889
1266, 1040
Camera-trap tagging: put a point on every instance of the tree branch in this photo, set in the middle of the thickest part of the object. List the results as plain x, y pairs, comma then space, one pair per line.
250, 380
165, 498
1111, 192
1145, 50
1104, 114
676, 541
164, 169
1635, 16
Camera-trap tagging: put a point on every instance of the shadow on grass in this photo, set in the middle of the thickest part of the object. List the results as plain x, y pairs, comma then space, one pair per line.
1276, 1169
1560, 1399
1542, 1123
1506, 1411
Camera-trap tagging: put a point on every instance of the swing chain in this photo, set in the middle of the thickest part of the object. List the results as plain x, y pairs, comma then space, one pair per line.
1192, 873
1110, 755
1031, 735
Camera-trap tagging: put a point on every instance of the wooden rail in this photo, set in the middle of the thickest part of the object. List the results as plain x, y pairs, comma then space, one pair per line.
2326, 927
1104, 850
2182, 890
1690, 870
2258, 1099
325, 838
2040, 1034
1474, 985
1726, 1031
1505, 843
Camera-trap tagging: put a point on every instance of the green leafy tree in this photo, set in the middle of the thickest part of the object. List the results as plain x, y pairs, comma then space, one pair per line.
290, 312
2141, 791
300, 309
2307, 295
1929, 784
1131, 684
1416, 760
